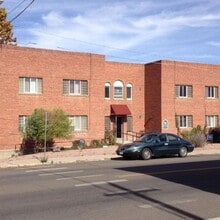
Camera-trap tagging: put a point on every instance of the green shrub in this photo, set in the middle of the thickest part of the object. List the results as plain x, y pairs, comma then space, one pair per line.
197, 136
109, 138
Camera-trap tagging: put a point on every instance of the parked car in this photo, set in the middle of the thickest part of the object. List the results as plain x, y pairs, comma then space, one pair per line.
156, 144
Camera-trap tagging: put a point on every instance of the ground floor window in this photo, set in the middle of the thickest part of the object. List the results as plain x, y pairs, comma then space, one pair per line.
107, 123
23, 119
79, 122
129, 123
211, 121
184, 121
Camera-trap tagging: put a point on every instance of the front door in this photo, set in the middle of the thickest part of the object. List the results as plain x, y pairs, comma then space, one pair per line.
119, 122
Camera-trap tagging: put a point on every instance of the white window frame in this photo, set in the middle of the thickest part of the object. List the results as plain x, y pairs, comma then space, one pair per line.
23, 119
118, 90
212, 121
211, 92
75, 87
129, 87
30, 85
107, 87
79, 123
184, 121
184, 91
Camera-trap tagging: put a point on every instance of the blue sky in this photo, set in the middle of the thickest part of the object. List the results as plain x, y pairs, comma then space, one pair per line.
138, 31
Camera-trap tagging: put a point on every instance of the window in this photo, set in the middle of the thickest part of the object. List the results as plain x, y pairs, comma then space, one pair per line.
129, 123
163, 138
183, 91
107, 123
129, 91
118, 90
107, 90
172, 138
211, 92
79, 122
29, 85
211, 121
75, 87
184, 121
23, 119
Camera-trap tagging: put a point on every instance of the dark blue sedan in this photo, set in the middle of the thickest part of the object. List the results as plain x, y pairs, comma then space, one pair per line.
156, 144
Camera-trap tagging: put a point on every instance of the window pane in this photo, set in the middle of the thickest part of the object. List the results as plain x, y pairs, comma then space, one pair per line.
129, 92
118, 92
71, 86
27, 85
84, 89
77, 87
107, 92
65, 87
22, 122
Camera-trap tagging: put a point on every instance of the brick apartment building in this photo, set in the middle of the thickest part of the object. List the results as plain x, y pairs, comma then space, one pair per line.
99, 95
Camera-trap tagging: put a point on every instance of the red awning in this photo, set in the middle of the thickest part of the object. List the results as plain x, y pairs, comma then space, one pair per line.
120, 110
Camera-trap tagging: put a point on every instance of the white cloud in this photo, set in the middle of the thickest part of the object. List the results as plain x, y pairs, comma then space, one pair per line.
214, 43
126, 24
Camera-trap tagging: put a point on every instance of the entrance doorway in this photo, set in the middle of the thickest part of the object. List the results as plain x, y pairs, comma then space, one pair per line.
119, 126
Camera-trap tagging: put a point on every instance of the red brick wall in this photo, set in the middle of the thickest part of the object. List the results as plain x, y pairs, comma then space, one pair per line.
153, 97
53, 67
197, 75
153, 88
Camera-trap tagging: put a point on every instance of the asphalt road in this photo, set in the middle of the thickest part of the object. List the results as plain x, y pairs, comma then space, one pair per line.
165, 188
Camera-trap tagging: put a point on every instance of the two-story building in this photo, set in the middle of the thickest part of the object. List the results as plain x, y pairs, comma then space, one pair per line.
99, 95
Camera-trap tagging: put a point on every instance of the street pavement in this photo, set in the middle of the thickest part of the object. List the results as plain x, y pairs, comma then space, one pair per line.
73, 156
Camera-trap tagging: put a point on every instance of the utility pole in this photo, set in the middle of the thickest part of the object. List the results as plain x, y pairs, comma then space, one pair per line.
45, 136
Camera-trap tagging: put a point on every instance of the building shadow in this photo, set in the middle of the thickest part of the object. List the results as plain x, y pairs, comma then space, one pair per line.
202, 175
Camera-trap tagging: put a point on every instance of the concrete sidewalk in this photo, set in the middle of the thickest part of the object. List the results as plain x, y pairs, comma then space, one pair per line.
72, 156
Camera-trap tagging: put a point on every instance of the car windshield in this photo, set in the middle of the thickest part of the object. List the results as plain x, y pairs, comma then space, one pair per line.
147, 138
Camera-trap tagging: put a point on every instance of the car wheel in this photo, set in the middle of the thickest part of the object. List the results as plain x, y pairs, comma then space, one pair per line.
146, 154
183, 152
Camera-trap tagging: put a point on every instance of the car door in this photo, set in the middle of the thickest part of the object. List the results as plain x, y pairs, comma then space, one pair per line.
173, 144
161, 145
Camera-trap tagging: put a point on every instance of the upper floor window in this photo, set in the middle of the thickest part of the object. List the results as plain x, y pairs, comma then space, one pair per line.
79, 122
183, 91
211, 92
129, 91
30, 85
118, 90
184, 121
211, 121
75, 87
107, 90
23, 119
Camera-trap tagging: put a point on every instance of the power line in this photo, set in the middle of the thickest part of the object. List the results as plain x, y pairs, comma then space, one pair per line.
22, 11
16, 6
